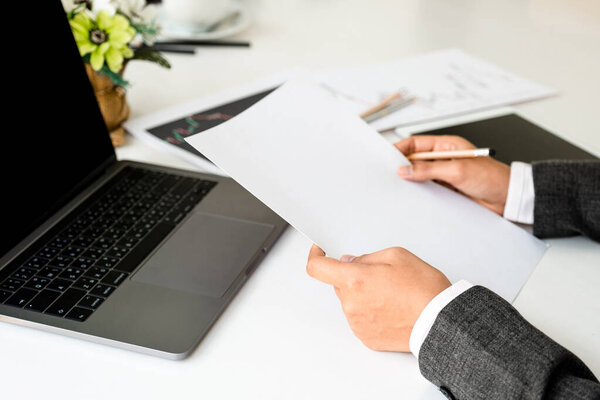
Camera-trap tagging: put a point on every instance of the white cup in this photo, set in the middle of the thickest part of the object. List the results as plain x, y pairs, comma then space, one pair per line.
198, 16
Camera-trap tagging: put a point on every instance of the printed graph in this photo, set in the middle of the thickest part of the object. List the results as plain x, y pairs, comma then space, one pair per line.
176, 131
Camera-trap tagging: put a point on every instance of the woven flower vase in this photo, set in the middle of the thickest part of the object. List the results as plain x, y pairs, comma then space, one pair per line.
113, 104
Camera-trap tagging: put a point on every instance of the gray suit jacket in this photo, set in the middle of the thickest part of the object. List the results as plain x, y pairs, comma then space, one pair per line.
481, 348
567, 198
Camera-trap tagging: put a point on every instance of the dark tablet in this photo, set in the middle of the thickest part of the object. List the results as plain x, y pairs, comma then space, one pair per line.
515, 139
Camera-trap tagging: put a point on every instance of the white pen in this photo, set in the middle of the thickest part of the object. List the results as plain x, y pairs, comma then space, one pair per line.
441, 155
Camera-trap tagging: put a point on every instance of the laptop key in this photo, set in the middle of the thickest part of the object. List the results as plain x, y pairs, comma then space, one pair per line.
60, 242
70, 233
71, 273
82, 263
24, 273
60, 261
11, 284
91, 302
48, 252
21, 297
115, 278
117, 252
42, 300
114, 233
85, 283
183, 187
104, 243
138, 231
94, 231
36, 262
96, 272
93, 253
128, 242
175, 216
65, 302
79, 314
83, 241
106, 262
102, 290
60, 284
4, 294
37, 283
49, 272
166, 184
72, 251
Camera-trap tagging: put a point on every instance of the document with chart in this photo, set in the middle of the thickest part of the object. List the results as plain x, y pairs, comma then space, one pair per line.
333, 177
443, 83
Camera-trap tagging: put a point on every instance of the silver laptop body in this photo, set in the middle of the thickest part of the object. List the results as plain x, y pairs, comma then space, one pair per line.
166, 303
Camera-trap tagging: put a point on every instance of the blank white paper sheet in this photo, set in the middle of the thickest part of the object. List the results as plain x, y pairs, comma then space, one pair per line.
332, 177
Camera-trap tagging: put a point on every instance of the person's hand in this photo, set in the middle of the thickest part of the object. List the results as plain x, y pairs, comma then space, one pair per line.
382, 293
483, 179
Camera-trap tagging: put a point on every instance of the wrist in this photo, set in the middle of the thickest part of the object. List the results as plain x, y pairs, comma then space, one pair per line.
429, 314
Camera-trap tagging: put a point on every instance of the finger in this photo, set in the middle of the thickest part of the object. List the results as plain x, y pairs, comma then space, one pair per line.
447, 185
338, 292
449, 171
385, 256
326, 269
419, 143
315, 251
413, 144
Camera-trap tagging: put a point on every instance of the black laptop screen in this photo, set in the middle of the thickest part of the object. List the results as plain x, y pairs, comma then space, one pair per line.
53, 133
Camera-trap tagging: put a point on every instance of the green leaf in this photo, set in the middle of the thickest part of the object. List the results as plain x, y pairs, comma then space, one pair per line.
116, 78
152, 56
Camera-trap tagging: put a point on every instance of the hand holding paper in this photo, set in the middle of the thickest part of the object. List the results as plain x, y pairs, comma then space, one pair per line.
334, 179
382, 293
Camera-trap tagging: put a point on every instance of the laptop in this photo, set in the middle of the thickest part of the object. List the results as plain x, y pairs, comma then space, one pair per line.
138, 256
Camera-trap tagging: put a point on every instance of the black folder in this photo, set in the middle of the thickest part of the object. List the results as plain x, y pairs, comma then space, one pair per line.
515, 139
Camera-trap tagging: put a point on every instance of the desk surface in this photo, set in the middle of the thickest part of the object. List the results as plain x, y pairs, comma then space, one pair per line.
284, 335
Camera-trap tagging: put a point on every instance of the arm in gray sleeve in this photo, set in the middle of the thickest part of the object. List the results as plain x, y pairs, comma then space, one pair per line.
567, 198
480, 347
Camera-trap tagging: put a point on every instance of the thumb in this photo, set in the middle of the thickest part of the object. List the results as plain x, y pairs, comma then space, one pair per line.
325, 269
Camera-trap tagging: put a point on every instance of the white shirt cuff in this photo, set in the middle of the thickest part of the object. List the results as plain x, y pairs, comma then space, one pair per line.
430, 312
521, 196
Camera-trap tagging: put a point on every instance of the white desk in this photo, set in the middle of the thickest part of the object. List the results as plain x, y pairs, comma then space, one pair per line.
284, 336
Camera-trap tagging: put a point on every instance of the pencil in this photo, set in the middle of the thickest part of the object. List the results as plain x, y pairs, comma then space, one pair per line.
394, 105
188, 46
381, 105
444, 155
164, 48
186, 42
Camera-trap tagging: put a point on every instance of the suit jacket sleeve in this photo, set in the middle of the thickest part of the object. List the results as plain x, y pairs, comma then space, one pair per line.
567, 198
480, 347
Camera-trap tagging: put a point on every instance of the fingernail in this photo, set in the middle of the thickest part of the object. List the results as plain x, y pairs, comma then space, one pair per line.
405, 170
347, 258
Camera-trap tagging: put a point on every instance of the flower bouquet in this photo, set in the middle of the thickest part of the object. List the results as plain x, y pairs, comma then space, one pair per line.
110, 33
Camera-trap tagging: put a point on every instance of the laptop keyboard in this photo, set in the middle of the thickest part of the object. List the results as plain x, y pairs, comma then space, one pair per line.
73, 273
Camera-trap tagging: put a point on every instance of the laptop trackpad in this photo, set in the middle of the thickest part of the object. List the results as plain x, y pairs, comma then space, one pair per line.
205, 255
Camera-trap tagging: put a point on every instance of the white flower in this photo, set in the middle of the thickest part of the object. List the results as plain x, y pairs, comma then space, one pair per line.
89, 7
143, 16
137, 10
149, 13
107, 5
70, 5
